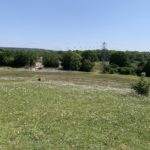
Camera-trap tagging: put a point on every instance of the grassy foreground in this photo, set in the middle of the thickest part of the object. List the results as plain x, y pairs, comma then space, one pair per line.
50, 115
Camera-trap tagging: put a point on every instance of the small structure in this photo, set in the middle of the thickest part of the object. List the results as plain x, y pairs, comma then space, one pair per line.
39, 63
60, 66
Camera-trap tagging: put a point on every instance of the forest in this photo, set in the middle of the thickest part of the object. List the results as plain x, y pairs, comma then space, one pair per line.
112, 61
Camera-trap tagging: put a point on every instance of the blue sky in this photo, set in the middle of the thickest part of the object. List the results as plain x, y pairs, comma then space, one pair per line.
75, 24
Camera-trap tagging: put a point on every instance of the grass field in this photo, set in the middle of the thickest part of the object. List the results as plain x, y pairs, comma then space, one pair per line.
71, 110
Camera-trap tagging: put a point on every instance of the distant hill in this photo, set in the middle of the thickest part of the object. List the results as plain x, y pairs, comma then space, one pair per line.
24, 49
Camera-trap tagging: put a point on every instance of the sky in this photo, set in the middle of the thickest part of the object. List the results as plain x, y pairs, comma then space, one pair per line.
75, 24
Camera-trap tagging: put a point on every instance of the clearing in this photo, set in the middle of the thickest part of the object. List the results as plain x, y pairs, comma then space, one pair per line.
71, 110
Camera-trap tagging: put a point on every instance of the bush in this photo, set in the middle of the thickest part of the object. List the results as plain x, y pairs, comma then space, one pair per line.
142, 86
115, 69
87, 65
110, 69
127, 70
105, 68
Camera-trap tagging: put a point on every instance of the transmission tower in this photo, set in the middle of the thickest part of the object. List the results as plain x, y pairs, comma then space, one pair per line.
104, 44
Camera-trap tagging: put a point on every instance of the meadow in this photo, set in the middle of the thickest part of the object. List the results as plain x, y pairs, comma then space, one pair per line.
71, 110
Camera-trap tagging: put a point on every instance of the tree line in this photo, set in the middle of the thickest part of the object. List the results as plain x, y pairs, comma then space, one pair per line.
27, 58
123, 62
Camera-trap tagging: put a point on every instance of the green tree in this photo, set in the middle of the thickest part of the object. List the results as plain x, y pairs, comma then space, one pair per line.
1, 58
32, 56
51, 60
120, 59
87, 65
104, 55
147, 68
142, 86
7, 58
90, 55
71, 61
21, 59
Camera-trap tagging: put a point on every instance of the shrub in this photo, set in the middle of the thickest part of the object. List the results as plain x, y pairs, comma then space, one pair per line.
110, 69
87, 65
127, 70
105, 68
113, 70
142, 86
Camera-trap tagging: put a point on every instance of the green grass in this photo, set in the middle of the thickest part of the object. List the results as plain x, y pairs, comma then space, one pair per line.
92, 78
59, 115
